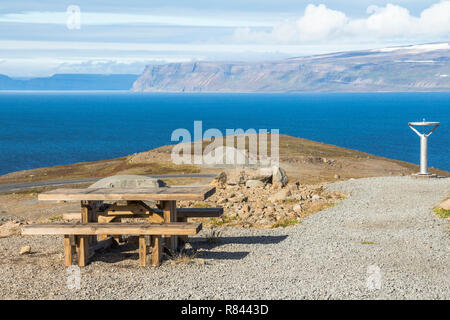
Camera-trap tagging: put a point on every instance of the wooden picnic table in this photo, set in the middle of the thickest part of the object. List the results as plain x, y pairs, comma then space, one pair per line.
129, 203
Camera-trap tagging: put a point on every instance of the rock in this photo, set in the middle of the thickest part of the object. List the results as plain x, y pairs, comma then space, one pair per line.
315, 197
246, 208
220, 180
128, 181
254, 183
445, 205
336, 176
280, 195
25, 250
10, 228
279, 177
240, 176
236, 177
297, 208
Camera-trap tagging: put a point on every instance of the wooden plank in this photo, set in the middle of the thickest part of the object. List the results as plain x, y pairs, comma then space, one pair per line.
142, 251
106, 219
131, 208
173, 228
67, 251
170, 215
156, 251
156, 194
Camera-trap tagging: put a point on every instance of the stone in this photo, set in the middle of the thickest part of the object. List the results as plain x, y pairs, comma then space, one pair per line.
445, 205
279, 177
246, 208
254, 183
220, 180
236, 177
25, 250
9, 228
336, 176
280, 195
125, 181
315, 197
297, 208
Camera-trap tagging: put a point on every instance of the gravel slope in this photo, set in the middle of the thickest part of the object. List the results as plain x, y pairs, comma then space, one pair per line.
386, 222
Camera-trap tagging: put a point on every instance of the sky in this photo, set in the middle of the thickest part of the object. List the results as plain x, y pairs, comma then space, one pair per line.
41, 38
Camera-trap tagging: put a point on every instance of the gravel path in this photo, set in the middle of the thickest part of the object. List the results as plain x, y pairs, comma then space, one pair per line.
386, 223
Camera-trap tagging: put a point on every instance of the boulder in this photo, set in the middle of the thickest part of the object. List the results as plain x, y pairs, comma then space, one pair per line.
254, 183
220, 180
297, 208
279, 177
10, 228
236, 177
125, 181
280, 195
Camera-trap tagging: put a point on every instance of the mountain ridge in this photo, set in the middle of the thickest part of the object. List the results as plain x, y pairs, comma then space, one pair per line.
405, 68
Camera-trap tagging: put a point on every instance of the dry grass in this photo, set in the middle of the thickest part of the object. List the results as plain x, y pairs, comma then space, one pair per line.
213, 236
444, 214
183, 258
285, 223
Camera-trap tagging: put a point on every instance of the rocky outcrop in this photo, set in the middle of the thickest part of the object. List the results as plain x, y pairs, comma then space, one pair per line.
250, 198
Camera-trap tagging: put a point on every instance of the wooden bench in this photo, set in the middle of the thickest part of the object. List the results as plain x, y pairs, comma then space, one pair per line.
76, 236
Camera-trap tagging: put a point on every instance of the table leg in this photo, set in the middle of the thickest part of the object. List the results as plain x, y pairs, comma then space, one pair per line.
142, 251
67, 251
156, 250
182, 239
82, 250
170, 215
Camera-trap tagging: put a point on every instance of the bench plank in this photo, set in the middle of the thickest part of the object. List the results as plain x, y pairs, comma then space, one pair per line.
181, 213
173, 228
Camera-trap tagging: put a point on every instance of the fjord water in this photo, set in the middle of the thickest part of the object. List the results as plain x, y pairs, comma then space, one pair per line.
40, 129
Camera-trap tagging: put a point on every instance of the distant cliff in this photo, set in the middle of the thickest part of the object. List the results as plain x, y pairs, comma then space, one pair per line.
70, 82
411, 68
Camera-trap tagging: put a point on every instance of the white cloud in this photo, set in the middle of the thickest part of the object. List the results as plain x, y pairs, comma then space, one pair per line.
390, 23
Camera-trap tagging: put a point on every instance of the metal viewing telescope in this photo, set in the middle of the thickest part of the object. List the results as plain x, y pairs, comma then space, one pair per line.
424, 145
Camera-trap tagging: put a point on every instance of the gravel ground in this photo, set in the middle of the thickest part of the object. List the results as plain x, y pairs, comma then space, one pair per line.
386, 223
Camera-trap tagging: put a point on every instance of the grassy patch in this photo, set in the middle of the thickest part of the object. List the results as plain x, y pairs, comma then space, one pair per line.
26, 191
317, 206
367, 242
444, 214
201, 205
285, 223
217, 222
55, 218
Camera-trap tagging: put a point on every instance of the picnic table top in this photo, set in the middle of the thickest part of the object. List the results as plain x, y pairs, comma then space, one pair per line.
161, 194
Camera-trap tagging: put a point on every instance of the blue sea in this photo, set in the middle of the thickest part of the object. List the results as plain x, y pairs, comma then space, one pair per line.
40, 129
